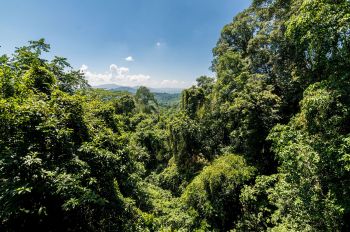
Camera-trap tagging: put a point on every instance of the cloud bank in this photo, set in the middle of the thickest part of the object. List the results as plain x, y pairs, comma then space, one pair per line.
122, 76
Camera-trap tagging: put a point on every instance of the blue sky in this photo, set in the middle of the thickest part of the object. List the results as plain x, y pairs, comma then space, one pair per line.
157, 43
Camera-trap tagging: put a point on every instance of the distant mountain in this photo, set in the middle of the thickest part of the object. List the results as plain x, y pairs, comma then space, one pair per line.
166, 90
167, 99
133, 89
116, 88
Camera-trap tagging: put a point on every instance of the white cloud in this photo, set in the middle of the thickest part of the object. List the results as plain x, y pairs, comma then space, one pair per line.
83, 68
129, 58
122, 76
120, 71
158, 44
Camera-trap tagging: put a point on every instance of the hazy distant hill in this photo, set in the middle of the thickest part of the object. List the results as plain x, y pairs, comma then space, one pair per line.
167, 99
133, 89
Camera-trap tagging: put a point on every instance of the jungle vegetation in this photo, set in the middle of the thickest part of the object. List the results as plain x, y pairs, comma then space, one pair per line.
262, 146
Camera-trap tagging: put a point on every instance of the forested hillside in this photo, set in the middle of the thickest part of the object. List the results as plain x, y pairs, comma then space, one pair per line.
263, 146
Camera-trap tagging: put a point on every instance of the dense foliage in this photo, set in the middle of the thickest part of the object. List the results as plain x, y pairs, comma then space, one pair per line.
263, 146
